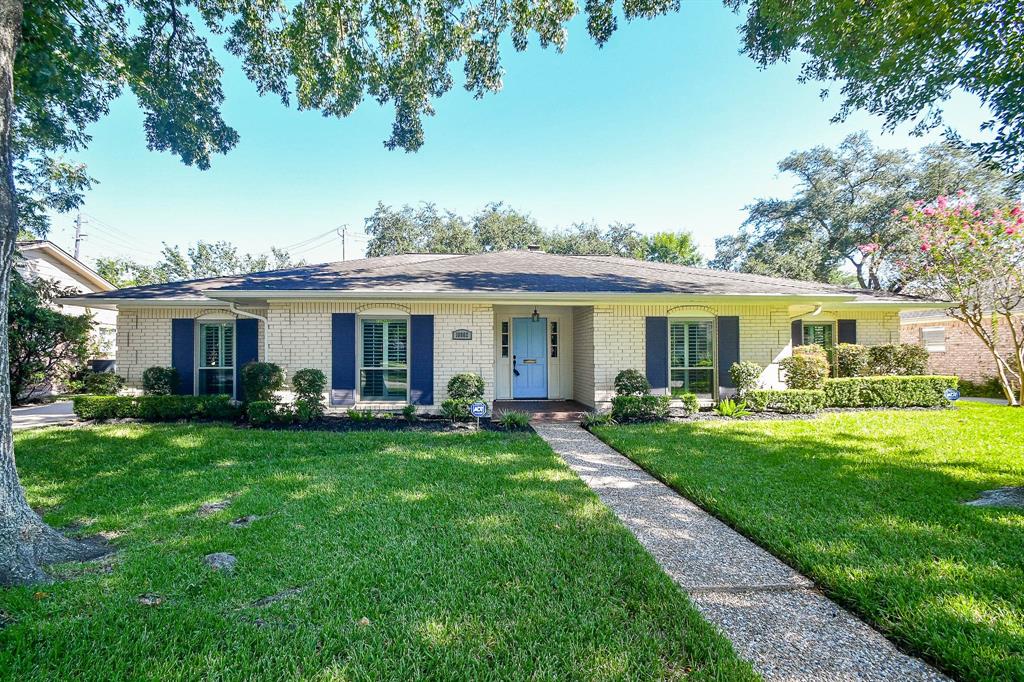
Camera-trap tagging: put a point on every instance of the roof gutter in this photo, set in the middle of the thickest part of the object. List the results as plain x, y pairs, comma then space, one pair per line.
233, 307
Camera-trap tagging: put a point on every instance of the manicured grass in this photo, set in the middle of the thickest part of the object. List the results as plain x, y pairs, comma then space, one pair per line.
868, 504
471, 556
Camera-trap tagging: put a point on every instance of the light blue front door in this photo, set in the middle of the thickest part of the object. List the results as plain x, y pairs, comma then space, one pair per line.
529, 358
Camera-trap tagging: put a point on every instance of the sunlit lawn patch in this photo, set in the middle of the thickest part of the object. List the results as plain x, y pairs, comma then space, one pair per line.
373, 556
869, 504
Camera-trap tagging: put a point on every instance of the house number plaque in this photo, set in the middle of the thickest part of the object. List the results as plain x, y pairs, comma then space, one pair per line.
462, 335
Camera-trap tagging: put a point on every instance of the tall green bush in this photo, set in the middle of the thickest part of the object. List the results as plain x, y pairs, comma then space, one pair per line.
260, 380
807, 368
160, 381
631, 382
463, 390
897, 359
745, 376
102, 383
309, 386
851, 359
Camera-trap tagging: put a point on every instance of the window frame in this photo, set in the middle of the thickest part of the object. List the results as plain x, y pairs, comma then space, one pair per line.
713, 342
833, 327
200, 358
361, 319
934, 347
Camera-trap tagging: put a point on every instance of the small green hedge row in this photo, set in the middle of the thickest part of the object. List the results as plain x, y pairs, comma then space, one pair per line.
790, 401
889, 391
155, 408
627, 408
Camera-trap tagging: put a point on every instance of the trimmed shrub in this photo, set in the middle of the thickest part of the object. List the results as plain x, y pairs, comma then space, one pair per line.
987, 388
156, 408
102, 383
260, 380
262, 412
690, 401
631, 382
807, 368
791, 401
889, 391
457, 409
466, 386
359, 415
409, 412
851, 359
639, 407
160, 381
103, 407
745, 376
897, 359
309, 385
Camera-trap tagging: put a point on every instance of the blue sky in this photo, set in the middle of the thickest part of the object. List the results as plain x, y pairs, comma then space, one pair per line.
667, 126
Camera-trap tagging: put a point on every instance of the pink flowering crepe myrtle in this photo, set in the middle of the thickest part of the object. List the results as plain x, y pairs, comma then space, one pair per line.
975, 260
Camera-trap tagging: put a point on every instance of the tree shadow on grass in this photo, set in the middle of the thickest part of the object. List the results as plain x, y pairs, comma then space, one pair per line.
874, 516
468, 556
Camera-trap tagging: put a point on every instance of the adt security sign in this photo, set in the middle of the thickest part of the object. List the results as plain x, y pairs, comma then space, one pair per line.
951, 394
478, 409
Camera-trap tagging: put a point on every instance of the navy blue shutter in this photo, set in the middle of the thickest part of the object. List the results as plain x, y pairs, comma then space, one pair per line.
847, 331
797, 331
421, 359
728, 351
343, 358
246, 349
183, 353
657, 354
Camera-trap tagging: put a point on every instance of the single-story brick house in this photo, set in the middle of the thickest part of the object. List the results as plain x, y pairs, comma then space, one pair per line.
392, 330
952, 347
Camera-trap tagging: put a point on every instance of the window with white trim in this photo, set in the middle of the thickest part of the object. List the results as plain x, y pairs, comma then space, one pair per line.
820, 335
216, 358
384, 360
933, 339
504, 338
691, 357
554, 339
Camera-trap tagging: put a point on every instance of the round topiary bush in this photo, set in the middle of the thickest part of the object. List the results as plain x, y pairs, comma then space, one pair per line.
466, 386
745, 376
260, 380
807, 369
631, 382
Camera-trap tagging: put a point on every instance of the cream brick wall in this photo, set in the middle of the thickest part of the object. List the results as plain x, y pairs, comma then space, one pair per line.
620, 331
583, 355
144, 338
300, 337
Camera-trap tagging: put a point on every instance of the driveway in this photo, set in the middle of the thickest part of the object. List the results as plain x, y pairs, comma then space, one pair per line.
59, 412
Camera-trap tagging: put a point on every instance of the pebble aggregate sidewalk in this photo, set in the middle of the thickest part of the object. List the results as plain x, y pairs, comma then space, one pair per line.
774, 616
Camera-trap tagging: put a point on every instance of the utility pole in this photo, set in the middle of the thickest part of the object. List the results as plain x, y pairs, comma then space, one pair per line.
78, 235
343, 232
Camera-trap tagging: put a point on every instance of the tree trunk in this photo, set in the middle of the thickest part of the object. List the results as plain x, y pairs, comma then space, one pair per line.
26, 542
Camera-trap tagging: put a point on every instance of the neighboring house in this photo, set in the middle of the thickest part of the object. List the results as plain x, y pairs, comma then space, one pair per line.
952, 347
390, 331
42, 259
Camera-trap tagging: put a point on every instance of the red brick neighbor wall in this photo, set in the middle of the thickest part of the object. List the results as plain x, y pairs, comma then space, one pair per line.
965, 355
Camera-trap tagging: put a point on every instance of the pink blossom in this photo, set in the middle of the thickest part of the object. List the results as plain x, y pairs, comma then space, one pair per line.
869, 248
960, 192
941, 201
929, 211
925, 246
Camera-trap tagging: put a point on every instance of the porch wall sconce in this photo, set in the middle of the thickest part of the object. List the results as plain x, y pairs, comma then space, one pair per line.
536, 316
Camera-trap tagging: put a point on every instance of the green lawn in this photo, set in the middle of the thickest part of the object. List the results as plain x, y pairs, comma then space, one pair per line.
470, 556
869, 505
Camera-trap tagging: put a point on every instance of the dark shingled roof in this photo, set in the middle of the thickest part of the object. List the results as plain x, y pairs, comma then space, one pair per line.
508, 272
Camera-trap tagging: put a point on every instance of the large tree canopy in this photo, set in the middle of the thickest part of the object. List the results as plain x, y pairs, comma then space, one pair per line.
841, 211
497, 227
203, 259
902, 59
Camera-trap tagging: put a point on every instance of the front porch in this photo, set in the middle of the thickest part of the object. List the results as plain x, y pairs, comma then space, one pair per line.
543, 410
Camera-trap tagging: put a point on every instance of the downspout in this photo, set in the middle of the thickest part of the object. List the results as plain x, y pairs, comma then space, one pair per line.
814, 313
233, 307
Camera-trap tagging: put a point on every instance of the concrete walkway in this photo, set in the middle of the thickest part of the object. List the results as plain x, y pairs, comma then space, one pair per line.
774, 616
59, 412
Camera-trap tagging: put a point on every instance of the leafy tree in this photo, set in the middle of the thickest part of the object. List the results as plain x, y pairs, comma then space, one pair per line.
498, 228
393, 232
672, 247
46, 345
204, 259
901, 59
974, 259
842, 211
447, 233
